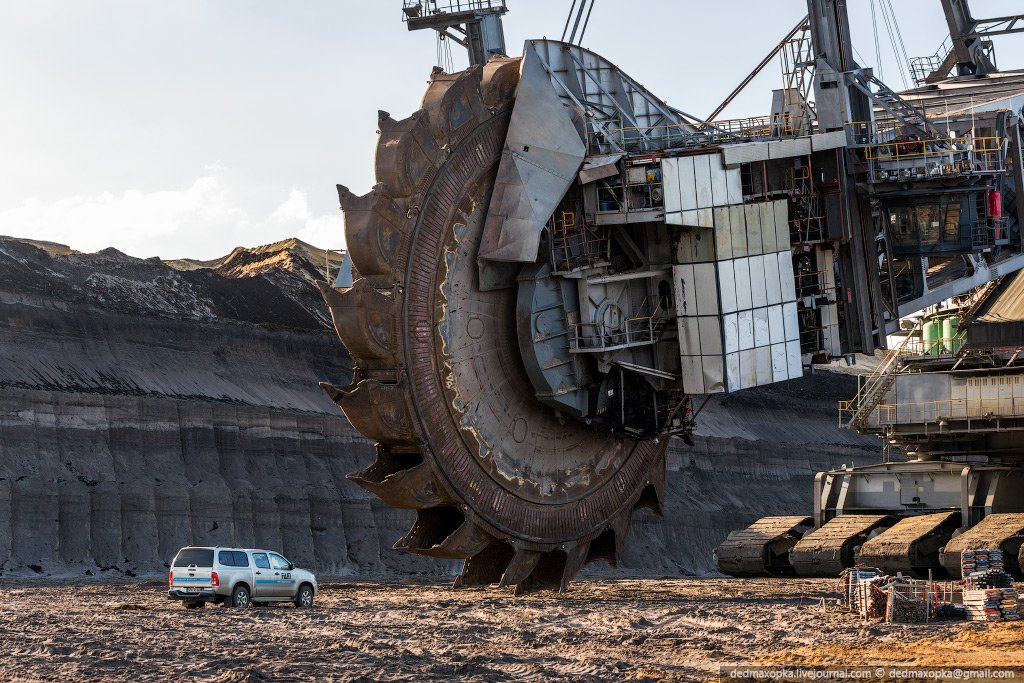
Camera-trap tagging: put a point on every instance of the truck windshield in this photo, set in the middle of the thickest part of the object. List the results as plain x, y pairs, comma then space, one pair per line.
200, 557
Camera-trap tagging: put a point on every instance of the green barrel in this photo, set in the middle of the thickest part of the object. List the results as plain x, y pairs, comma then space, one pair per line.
930, 337
950, 329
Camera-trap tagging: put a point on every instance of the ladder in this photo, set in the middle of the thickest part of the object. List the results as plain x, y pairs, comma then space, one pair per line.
912, 118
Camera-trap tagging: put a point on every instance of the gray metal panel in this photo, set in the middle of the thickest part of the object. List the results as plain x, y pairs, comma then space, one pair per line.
787, 277
758, 294
776, 326
761, 335
727, 286
687, 184
607, 165
748, 368
791, 322
780, 363
543, 153
723, 233
763, 365
684, 289
707, 288
692, 374
714, 374
783, 149
772, 280
670, 184
745, 323
689, 336
741, 270
752, 219
768, 240
782, 225
719, 182
796, 368
744, 153
733, 379
823, 141
734, 182
710, 335
738, 226
730, 333
702, 177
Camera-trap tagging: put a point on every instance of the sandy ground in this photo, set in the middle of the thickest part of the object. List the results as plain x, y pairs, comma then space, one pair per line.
637, 630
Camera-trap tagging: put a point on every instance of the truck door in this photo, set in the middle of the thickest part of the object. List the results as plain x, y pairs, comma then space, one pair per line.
282, 570
264, 584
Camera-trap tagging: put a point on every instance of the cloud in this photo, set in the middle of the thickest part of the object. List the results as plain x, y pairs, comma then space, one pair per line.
202, 221
132, 221
322, 231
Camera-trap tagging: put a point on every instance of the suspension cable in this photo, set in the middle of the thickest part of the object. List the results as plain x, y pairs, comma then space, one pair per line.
572, 11
878, 46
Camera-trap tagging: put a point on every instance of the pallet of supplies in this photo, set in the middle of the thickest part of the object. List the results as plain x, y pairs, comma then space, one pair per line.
1008, 604
983, 604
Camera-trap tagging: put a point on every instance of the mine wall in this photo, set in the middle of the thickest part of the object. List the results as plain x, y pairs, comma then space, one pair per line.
127, 434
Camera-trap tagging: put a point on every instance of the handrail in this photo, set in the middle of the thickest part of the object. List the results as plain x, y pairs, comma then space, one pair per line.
883, 372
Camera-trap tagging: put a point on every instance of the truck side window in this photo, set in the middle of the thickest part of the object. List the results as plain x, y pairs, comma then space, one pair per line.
241, 559
261, 560
278, 561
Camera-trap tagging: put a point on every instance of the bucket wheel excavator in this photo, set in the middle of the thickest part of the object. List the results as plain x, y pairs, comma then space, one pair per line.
553, 262
524, 494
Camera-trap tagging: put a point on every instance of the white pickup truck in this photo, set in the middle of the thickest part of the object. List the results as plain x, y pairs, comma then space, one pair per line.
238, 577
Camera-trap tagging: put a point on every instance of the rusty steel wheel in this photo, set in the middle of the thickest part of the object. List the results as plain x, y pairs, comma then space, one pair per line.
496, 478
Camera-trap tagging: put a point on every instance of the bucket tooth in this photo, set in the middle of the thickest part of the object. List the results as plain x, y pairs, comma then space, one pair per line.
486, 567
522, 565
575, 557
549, 574
408, 156
1001, 530
378, 411
831, 548
653, 495
364, 319
377, 232
499, 81
455, 104
608, 545
445, 533
400, 478
762, 549
911, 545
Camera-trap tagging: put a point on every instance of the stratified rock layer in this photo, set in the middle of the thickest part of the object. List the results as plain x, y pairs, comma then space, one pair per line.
144, 407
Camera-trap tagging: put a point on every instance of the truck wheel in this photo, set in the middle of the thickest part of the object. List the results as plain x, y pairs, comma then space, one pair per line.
304, 598
240, 597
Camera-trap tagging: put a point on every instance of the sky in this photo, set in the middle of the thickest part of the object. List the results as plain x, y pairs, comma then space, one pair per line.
185, 128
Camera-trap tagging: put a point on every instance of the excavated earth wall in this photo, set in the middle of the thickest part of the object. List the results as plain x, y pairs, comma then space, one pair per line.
145, 407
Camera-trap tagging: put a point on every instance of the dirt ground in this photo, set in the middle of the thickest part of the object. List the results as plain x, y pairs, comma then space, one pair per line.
637, 630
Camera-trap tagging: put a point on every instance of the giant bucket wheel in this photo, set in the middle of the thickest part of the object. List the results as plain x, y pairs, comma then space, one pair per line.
496, 478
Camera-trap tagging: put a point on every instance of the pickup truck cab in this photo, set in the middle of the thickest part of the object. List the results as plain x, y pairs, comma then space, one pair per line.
238, 577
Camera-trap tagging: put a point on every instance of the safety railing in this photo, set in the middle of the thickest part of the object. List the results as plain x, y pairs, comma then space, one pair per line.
950, 409
638, 330
988, 232
575, 244
687, 135
413, 9
892, 157
853, 411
